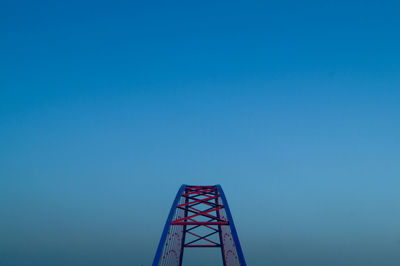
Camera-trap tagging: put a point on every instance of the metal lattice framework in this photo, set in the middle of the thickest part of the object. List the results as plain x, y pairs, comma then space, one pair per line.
199, 218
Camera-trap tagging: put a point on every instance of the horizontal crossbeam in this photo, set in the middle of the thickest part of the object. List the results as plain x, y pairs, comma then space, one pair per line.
200, 223
202, 246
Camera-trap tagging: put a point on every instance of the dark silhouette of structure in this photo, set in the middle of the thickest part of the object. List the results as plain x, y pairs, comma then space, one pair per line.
199, 218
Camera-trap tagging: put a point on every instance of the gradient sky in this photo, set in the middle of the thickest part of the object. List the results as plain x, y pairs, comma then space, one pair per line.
107, 107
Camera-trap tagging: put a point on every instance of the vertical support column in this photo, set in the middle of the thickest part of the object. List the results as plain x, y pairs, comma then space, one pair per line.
220, 230
232, 227
167, 226
184, 231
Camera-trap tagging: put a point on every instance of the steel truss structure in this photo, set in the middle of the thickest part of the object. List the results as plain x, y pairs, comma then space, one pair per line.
199, 218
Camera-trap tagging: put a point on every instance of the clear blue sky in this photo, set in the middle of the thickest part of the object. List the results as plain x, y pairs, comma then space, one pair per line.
107, 107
